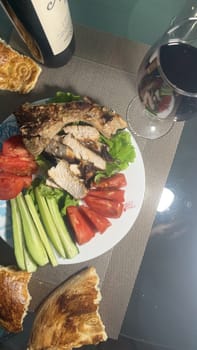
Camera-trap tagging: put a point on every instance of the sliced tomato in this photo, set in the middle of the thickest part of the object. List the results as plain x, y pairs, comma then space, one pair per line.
104, 207
115, 181
17, 166
83, 231
15, 147
100, 222
10, 185
27, 180
108, 193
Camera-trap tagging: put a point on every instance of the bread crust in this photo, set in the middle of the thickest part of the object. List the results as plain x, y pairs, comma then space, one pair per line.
14, 298
18, 73
69, 317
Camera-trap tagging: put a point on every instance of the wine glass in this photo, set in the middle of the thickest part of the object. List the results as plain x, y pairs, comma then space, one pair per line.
166, 82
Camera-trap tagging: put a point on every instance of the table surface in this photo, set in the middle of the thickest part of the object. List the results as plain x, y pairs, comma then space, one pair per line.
104, 67
166, 286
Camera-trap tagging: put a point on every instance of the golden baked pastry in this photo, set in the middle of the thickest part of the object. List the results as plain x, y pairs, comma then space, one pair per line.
69, 317
18, 73
14, 298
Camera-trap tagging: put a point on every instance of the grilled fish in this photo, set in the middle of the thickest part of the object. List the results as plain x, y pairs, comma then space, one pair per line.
89, 137
59, 150
64, 178
83, 133
82, 152
46, 120
106, 121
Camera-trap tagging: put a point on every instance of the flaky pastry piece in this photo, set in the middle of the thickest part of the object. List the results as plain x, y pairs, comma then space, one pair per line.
18, 73
14, 298
69, 317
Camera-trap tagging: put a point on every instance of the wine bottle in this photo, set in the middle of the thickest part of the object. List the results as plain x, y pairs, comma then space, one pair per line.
46, 28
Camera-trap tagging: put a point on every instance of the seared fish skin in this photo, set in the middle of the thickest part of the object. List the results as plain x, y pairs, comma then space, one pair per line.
46, 120
38, 125
39, 120
106, 121
64, 178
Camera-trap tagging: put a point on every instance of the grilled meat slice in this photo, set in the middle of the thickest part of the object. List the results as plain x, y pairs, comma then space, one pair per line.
46, 120
57, 149
35, 144
83, 133
51, 183
31, 116
76, 170
89, 137
88, 171
82, 152
38, 125
63, 177
106, 121
39, 120
62, 151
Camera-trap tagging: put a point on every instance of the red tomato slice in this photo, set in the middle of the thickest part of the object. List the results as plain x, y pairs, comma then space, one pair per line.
27, 180
104, 207
10, 185
83, 231
15, 147
108, 193
115, 181
100, 222
17, 166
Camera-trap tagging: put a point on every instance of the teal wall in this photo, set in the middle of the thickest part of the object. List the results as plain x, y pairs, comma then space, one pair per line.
140, 20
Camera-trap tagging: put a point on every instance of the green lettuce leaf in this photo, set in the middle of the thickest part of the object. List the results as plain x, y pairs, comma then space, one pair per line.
121, 150
61, 97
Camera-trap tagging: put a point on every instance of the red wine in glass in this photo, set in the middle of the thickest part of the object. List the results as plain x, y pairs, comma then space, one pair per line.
166, 83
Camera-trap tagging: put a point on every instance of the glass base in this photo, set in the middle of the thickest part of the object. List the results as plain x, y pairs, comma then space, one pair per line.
144, 124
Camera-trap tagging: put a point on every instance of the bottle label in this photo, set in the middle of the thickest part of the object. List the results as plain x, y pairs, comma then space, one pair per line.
56, 22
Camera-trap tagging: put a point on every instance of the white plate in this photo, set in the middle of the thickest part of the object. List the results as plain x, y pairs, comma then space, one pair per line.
101, 243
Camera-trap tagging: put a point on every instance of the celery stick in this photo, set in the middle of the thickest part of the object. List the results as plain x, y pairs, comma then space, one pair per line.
49, 223
70, 247
41, 230
23, 258
31, 266
32, 239
17, 235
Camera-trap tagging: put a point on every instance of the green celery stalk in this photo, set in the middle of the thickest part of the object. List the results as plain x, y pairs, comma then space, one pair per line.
32, 239
49, 223
41, 230
17, 235
69, 245
22, 256
31, 266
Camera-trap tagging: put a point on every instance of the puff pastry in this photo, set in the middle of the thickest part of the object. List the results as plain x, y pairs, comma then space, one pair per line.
18, 73
69, 317
14, 298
